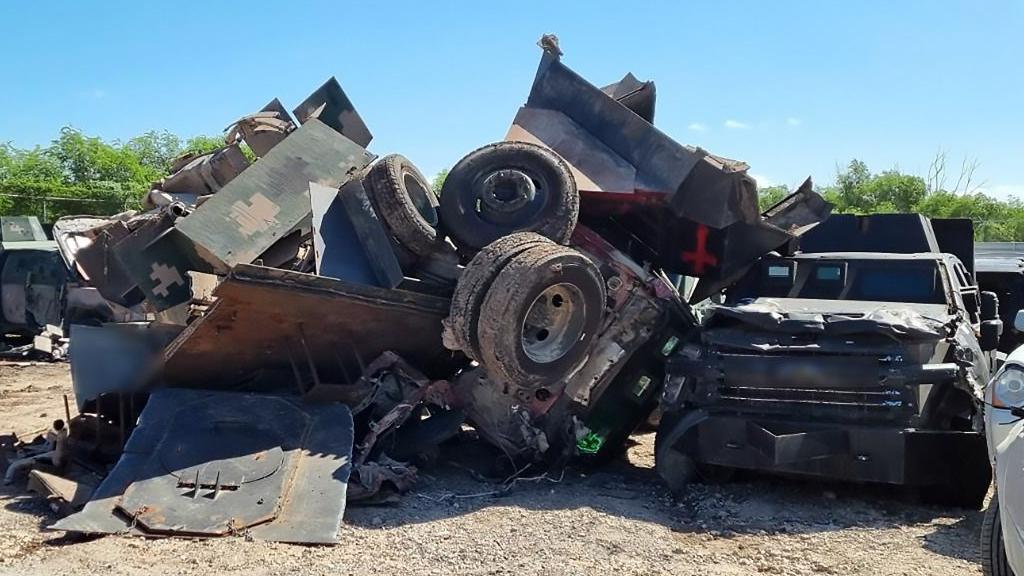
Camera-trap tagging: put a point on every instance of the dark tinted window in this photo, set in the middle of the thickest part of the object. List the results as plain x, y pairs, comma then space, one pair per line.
887, 283
828, 272
870, 280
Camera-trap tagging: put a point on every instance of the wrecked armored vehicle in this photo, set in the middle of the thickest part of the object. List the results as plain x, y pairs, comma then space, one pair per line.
850, 365
32, 277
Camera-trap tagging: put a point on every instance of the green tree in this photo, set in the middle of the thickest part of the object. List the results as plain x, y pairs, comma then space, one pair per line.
850, 188
155, 150
900, 192
203, 144
770, 196
87, 160
80, 174
438, 181
857, 190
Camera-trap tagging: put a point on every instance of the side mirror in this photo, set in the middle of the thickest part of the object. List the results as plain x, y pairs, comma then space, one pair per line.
1018, 321
991, 330
989, 306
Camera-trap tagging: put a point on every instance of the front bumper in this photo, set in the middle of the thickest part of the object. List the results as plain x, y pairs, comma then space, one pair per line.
859, 453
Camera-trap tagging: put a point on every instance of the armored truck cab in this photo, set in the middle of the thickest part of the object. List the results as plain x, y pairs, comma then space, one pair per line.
850, 365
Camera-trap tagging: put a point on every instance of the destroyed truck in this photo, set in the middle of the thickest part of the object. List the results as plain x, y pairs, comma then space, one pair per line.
863, 366
570, 340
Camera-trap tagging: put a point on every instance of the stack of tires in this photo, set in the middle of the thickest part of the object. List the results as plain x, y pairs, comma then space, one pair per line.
526, 306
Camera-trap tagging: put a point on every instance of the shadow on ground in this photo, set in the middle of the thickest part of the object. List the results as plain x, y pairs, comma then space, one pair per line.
751, 504
464, 480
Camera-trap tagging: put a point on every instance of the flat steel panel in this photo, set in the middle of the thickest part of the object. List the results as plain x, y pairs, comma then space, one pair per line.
207, 463
264, 315
269, 199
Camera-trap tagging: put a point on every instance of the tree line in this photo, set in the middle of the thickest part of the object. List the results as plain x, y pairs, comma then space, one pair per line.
80, 174
856, 190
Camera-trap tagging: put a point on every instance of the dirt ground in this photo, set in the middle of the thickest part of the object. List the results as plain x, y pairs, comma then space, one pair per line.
618, 519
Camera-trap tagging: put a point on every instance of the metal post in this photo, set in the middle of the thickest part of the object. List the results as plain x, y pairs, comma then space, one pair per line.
67, 412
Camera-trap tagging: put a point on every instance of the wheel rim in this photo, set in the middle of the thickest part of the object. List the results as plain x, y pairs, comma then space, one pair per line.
420, 198
507, 190
554, 323
508, 197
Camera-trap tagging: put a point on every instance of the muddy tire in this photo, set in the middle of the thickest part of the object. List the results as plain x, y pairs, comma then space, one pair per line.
993, 551
509, 187
540, 315
404, 200
460, 327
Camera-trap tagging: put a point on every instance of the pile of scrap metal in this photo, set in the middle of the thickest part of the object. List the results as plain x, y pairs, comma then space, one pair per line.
273, 336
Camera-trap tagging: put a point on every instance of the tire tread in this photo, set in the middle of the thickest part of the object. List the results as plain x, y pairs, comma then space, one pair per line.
386, 187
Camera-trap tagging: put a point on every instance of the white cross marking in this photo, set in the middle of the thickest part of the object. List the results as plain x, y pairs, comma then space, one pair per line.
165, 277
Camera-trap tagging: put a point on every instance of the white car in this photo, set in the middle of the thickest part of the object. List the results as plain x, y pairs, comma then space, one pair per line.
1002, 533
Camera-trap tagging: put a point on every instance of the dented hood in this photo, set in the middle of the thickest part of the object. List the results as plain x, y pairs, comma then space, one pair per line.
838, 317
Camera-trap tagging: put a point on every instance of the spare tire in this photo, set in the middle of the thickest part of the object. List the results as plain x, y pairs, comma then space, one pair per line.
509, 187
404, 200
460, 327
540, 315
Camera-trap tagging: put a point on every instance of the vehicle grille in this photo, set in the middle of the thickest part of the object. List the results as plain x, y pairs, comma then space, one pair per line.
836, 387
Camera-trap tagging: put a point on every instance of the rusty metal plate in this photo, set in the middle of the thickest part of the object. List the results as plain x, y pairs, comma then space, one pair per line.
205, 463
261, 138
97, 263
269, 199
206, 173
265, 317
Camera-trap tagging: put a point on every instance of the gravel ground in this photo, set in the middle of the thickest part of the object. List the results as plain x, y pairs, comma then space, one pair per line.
618, 519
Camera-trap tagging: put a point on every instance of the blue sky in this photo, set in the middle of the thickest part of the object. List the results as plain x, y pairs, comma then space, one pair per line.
792, 88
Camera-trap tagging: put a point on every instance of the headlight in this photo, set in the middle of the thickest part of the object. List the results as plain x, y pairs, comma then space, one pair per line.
1008, 390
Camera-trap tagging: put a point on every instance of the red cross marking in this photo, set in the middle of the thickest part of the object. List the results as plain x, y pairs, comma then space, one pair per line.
700, 258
